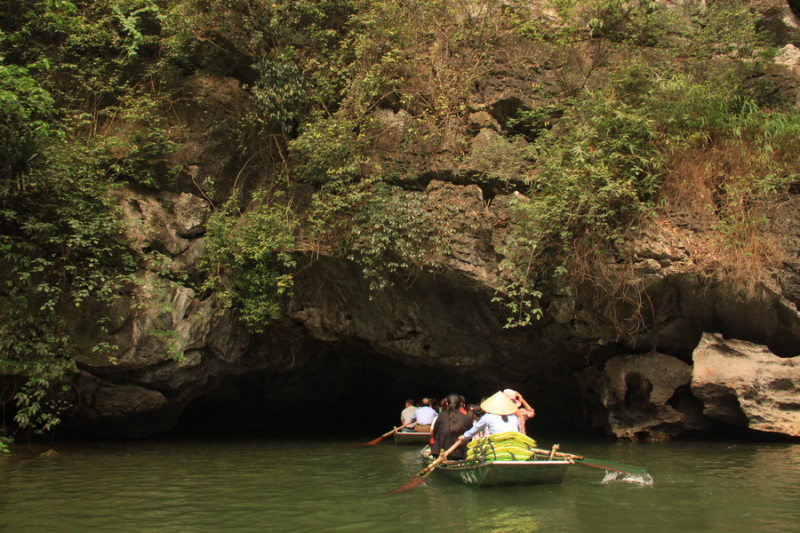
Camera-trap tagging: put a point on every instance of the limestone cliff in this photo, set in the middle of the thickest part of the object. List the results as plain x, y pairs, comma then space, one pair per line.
644, 351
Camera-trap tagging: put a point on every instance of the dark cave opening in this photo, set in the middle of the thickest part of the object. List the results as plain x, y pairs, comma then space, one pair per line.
343, 393
344, 397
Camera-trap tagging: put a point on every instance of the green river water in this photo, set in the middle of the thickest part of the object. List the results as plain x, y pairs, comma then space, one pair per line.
263, 484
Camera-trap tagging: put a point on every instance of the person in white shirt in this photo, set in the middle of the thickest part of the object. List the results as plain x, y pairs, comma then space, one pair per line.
407, 414
424, 417
499, 418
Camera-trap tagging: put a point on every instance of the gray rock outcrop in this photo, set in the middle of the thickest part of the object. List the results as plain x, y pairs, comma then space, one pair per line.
641, 397
743, 384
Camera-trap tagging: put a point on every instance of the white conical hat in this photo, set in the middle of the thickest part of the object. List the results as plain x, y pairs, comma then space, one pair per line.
499, 404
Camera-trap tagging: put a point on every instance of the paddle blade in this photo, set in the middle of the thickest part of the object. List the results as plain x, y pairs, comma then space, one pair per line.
610, 465
412, 483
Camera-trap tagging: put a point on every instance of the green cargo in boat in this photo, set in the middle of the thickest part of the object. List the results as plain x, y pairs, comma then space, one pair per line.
411, 437
507, 459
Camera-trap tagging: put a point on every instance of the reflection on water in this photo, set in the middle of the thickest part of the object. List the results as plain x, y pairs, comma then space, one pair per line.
301, 485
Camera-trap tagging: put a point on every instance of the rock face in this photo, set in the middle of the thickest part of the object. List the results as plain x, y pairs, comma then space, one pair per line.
442, 329
744, 384
139, 387
624, 355
641, 397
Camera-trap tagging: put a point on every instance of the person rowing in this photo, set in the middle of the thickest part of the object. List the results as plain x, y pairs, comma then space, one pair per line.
407, 415
451, 423
499, 418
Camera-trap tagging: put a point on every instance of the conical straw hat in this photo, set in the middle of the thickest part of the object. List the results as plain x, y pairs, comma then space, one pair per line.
499, 404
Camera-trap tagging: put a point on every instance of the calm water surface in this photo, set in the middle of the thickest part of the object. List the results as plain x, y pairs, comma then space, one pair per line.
264, 485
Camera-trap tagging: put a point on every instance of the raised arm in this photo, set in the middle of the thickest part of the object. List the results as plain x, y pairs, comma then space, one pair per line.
525, 404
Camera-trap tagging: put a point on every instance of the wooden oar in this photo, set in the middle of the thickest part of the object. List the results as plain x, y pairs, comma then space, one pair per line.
376, 441
419, 479
598, 463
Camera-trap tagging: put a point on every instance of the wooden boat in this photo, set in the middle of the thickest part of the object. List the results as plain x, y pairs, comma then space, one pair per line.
411, 437
493, 463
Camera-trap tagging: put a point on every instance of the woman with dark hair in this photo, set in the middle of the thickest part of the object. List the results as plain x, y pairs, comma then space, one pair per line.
451, 424
435, 405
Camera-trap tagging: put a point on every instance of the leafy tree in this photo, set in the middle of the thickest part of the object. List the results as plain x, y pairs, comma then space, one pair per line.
247, 256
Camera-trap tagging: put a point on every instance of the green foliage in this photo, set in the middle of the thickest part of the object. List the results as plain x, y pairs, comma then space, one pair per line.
76, 116
630, 22
329, 155
99, 77
387, 231
600, 170
424, 55
500, 159
396, 233
729, 29
517, 285
602, 167
5, 442
89, 90
140, 157
219, 35
24, 109
329, 150
597, 170
60, 246
41, 401
280, 93
247, 257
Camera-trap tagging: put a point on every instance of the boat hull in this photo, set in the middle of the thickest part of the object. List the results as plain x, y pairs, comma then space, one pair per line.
506, 473
501, 473
408, 437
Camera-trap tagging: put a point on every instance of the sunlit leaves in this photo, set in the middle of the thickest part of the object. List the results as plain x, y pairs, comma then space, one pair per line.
247, 257
395, 233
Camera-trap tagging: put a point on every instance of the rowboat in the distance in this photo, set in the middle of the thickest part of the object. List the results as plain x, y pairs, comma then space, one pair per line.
411, 437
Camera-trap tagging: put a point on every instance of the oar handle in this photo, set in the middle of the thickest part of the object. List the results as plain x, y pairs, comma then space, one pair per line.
395, 430
558, 454
442, 457
597, 463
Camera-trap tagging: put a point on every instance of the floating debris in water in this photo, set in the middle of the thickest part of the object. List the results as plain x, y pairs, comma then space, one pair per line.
627, 477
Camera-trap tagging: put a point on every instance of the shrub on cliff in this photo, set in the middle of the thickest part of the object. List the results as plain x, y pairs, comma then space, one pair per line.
247, 257
611, 161
76, 118
60, 246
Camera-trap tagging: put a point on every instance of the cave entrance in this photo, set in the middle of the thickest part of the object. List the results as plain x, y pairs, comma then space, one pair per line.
341, 392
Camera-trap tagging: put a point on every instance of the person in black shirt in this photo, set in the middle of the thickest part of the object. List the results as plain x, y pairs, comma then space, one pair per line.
451, 424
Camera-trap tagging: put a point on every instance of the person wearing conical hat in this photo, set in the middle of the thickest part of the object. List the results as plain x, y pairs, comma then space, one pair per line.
500, 417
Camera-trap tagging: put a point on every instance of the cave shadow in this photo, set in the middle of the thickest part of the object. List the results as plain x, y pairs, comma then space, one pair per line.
341, 394
345, 393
